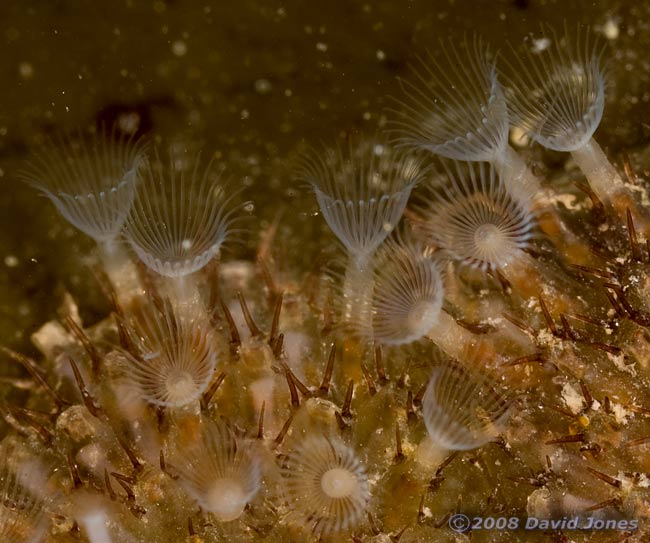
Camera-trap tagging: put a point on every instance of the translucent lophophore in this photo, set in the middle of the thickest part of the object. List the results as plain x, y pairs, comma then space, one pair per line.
219, 471
401, 301
462, 407
182, 214
24, 495
92, 182
407, 294
362, 191
326, 486
254, 411
470, 214
455, 108
173, 353
557, 95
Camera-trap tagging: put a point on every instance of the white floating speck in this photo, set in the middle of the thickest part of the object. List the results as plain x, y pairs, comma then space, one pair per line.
611, 29
541, 45
263, 86
179, 48
26, 70
11, 261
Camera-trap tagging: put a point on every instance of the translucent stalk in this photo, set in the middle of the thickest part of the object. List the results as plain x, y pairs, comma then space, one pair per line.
121, 271
357, 293
603, 178
95, 525
523, 185
453, 339
184, 290
517, 177
450, 337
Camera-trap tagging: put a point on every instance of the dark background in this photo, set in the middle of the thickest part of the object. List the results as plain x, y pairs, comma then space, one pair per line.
253, 81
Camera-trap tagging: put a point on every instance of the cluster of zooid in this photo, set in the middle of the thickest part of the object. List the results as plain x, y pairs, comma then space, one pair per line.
479, 213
